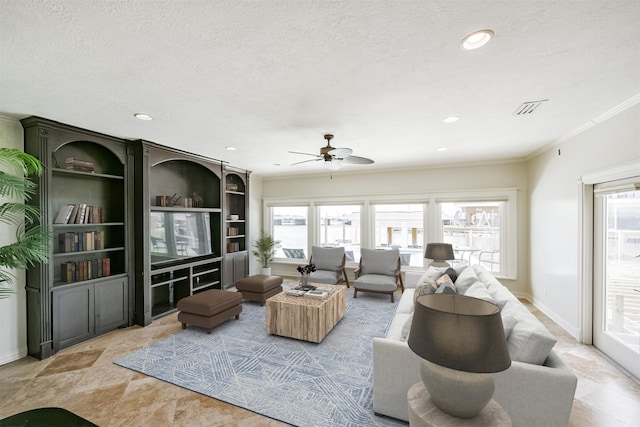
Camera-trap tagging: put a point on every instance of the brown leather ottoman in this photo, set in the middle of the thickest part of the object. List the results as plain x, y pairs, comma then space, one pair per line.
210, 308
259, 287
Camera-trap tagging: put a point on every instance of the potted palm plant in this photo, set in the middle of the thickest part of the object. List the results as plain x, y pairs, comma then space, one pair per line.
264, 251
32, 239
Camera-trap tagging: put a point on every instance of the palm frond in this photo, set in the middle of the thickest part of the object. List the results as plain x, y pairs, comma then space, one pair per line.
16, 213
31, 247
6, 279
20, 162
16, 186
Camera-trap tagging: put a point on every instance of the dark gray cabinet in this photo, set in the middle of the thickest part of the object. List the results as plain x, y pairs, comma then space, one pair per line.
178, 226
86, 176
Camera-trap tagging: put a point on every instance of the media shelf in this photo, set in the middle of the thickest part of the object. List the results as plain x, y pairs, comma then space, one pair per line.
179, 234
170, 284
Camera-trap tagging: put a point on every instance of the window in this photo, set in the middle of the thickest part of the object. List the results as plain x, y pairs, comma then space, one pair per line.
481, 225
290, 231
401, 226
475, 231
340, 226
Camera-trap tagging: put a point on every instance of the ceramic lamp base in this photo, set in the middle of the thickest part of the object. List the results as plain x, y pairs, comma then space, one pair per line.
461, 394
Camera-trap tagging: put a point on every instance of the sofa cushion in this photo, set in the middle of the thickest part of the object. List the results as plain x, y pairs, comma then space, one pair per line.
465, 279
478, 290
406, 328
397, 324
528, 341
406, 304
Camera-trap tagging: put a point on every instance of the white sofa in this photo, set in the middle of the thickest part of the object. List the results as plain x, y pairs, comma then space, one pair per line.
538, 388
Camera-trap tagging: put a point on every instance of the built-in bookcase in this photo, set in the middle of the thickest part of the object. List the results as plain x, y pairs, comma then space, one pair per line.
84, 290
236, 230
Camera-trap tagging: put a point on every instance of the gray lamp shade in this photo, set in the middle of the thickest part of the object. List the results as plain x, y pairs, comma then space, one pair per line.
458, 332
439, 251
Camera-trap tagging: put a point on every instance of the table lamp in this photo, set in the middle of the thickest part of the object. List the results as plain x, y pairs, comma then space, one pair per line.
462, 342
439, 253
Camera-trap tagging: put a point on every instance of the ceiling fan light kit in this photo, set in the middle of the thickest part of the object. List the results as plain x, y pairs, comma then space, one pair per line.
334, 157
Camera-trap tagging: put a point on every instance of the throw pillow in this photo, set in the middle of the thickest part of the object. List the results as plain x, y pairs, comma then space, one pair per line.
426, 286
465, 279
479, 290
445, 279
451, 273
446, 288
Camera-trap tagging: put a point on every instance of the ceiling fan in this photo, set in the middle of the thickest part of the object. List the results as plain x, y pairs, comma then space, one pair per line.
334, 157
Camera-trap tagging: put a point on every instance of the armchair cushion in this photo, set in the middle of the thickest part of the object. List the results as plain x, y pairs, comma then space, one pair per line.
327, 258
324, 276
376, 282
380, 262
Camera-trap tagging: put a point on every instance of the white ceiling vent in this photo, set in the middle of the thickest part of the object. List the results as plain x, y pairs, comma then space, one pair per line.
528, 107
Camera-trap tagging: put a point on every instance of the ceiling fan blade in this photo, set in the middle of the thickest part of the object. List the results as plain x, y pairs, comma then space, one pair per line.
305, 161
306, 154
358, 160
340, 152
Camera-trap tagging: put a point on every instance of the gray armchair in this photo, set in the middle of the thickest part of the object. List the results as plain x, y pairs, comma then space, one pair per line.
378, 272
329, 264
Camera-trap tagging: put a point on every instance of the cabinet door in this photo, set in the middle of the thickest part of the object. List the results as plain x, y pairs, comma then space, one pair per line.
73, 315
228, 271
111, 299
240, 266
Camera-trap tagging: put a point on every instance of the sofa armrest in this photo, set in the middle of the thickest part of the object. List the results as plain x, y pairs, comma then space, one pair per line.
395, 369
535, 395
411, 278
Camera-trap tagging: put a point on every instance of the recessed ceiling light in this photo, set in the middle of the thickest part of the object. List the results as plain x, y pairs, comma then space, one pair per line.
451, 119
230, 148
142, 116
442, 149
477, 39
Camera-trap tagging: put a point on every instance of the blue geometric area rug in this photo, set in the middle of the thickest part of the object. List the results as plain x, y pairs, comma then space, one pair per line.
297, 382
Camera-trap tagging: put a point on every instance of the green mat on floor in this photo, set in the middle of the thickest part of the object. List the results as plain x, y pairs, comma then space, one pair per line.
45, 417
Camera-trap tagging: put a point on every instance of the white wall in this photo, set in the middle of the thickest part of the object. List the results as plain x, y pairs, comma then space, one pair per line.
13, 310
419, 181
554, 193
255, 219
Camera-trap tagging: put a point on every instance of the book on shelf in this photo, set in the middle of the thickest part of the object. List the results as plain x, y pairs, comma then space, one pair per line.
63, 214
79, 213
78, 271
74, 164
77, 241
82, 210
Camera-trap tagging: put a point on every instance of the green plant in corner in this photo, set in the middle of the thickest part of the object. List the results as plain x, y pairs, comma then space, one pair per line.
32, 239
265, 249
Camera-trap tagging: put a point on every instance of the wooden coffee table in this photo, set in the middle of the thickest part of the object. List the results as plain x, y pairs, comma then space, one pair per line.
305, 318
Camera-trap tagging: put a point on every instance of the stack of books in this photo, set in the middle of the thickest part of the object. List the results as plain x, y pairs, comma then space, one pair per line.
79, 165
77, 271
317, 294
80, 213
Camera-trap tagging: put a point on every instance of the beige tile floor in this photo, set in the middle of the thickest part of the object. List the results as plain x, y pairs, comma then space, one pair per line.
84, 380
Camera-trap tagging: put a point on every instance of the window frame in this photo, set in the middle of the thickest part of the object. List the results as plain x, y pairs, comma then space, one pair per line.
432, 219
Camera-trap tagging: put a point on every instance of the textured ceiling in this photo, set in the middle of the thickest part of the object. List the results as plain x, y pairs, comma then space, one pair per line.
272, 76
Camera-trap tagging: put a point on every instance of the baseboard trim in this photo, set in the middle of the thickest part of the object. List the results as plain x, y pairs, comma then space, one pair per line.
13, 356
570, 329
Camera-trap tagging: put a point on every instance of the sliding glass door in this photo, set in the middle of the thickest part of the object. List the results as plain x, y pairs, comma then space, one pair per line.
617, 272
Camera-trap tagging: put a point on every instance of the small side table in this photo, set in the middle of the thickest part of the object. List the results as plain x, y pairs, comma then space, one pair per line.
424, 413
